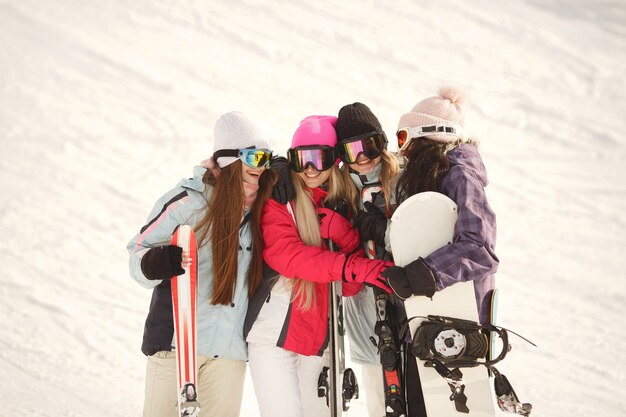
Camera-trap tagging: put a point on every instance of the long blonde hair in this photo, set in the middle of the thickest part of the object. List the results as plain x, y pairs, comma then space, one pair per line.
308, 226
389, 170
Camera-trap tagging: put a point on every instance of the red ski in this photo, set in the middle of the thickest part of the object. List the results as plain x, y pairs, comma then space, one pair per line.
184, 307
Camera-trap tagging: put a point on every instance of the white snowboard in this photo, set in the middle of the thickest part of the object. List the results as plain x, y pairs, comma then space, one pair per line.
422, 224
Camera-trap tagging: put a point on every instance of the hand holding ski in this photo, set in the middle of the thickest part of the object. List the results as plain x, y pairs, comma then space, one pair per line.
372, 224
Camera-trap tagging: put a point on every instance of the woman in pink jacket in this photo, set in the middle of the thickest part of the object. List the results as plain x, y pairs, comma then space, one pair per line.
287, 324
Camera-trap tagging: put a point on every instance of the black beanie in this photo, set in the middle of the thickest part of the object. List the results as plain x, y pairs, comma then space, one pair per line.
356, 119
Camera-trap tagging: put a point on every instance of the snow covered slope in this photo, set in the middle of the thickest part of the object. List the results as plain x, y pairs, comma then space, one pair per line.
105, 105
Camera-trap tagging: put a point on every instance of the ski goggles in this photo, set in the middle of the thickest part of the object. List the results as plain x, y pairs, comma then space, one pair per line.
320, 158
254, 158
371, 145
406, 134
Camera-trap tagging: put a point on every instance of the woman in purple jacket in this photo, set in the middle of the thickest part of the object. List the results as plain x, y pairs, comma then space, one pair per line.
439, 158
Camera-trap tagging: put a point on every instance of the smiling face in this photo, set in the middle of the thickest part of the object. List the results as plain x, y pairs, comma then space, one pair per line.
363, 164
251, 175
314, 178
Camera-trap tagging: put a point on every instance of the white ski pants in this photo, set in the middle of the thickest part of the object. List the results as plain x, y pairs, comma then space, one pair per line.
285, 383
220, 386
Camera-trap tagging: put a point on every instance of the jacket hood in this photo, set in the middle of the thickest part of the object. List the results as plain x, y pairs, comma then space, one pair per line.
466, 156
195, 182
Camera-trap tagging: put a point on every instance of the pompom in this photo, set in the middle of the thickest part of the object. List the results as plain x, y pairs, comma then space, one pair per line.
455, 94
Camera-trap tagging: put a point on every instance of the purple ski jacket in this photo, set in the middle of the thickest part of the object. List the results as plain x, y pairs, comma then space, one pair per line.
471, 256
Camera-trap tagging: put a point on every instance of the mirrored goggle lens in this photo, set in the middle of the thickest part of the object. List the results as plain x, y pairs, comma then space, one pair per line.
320, 158
371, 146
403, 136
256, 158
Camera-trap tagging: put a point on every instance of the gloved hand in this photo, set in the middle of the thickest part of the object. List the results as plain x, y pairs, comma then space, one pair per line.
162, 262
415, 278
337, 228
283, 191
368, 271
372, 224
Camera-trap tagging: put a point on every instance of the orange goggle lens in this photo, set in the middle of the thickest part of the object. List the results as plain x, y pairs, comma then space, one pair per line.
402, 135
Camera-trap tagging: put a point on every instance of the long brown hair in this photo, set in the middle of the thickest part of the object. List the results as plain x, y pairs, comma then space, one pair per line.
425, 167
221, 224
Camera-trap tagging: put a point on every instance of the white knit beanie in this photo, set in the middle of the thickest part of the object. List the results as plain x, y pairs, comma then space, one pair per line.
235, 131
443, 110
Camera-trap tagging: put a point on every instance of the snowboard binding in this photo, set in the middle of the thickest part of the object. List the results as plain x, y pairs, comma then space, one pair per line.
448, 344
456, 343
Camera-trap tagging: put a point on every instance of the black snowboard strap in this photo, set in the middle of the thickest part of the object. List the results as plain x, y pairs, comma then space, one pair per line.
454, 378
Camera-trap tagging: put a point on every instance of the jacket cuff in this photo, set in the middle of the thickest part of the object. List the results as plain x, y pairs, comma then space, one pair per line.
336, 269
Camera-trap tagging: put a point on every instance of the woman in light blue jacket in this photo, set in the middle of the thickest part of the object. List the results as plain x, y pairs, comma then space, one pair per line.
216, 203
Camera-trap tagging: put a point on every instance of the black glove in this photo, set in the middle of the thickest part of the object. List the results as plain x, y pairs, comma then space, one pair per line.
340, 206
372, 224
162, 262
414, 279
283, 191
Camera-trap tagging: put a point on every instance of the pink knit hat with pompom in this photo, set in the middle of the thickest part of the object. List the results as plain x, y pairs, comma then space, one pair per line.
442, 110
315, 130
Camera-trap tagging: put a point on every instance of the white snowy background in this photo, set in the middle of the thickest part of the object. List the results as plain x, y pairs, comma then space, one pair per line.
104, 105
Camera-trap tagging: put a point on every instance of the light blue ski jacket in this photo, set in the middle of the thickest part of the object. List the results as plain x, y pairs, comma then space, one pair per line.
219, 327
360, 310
